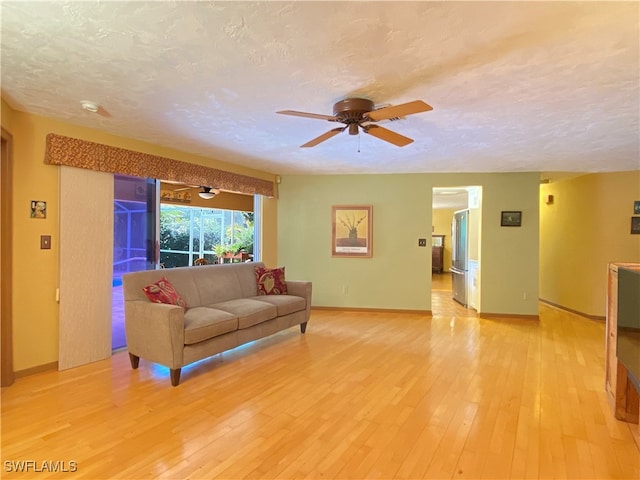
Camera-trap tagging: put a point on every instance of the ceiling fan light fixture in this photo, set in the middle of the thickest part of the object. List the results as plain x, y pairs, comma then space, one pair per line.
207, 194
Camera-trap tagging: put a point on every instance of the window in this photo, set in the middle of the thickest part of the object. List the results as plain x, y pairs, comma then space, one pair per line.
189, 233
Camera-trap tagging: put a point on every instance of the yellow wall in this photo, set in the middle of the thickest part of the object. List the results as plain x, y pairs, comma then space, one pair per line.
441, 221
35, 271
6, 113
587, 226
269, 240
399, 274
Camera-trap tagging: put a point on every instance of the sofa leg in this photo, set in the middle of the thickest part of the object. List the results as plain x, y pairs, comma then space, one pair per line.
175, 376
135, 360
303, 327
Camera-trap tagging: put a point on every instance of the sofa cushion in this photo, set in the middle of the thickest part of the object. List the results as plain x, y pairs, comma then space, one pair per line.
285, 304
163, 291
271, 281
217, 283
249, 312
202, 323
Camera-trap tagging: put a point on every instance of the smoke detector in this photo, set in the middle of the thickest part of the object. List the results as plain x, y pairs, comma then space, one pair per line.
89, 106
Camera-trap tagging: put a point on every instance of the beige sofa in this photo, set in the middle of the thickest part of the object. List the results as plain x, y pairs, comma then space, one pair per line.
223, 311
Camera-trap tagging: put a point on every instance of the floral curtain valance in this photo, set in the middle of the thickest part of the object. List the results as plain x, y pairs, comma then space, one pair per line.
73, 152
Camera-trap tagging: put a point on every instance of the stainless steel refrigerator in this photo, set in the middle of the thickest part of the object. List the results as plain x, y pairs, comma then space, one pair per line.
459, 255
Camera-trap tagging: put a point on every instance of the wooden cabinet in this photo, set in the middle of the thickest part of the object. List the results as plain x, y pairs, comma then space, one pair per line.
437, 253
621, 393
610, 332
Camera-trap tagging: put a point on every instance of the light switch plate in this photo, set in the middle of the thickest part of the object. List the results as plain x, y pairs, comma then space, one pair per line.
422, 242
45, 242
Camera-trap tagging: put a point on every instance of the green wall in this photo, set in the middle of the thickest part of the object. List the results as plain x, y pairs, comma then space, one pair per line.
398, 276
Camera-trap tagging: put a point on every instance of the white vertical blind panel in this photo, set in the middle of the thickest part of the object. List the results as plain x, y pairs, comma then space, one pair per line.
86, 265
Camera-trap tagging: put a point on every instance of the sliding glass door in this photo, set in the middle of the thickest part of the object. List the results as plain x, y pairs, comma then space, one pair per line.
135, 245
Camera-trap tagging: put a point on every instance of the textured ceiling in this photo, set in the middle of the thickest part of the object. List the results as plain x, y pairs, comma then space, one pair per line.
515, 86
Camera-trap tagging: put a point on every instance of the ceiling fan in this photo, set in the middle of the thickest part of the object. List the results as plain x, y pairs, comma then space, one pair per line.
359, 113
206, 192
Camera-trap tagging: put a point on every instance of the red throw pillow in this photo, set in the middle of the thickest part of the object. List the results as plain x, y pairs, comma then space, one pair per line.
271, 281
163, 292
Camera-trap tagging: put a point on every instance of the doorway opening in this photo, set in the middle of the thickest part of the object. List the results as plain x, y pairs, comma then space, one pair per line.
456, 213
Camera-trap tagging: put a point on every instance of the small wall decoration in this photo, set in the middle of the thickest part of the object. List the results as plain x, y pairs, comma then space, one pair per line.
351, 231
38, 209
635, 225
173, 196
636, 207
511, 219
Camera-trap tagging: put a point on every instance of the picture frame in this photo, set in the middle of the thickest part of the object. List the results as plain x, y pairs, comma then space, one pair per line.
636, 207
38, 209
635, 225
352, 231
511, 219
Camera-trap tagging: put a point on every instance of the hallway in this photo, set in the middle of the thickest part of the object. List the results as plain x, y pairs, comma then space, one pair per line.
442, 302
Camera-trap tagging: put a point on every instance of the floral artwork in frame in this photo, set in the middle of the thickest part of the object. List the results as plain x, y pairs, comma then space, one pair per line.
351, 232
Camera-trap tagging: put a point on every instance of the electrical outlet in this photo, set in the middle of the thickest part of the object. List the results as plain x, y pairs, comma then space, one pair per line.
345, 289
422, 242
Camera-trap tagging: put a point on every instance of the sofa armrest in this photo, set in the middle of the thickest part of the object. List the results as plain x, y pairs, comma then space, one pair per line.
155, 332
301, 289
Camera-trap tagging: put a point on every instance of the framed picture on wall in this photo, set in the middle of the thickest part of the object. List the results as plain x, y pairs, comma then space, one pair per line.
352, 231
38, 209
636, 207
511, 219
635, 225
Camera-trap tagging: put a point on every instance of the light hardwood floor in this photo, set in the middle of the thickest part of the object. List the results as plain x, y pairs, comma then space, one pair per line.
359, 396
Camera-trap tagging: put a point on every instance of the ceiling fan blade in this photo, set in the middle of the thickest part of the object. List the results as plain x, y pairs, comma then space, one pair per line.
401, 110
319, 116
387, 135
323, 137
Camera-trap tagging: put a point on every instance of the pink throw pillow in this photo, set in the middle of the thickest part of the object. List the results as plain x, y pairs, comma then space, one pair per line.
163, 291
271, 281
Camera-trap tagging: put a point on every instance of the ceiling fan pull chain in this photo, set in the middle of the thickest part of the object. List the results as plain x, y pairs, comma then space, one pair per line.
358, 142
